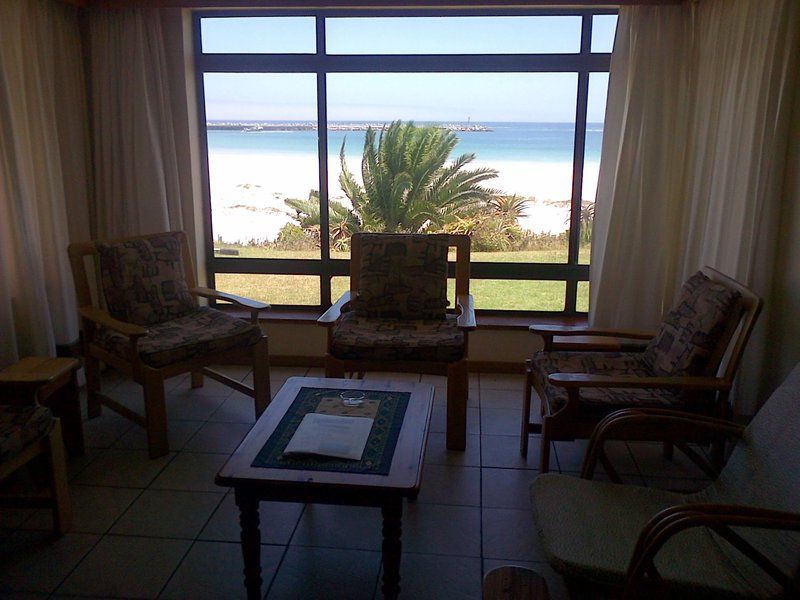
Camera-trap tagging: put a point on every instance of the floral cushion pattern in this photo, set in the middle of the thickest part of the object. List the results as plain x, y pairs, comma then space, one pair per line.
402, 276
143, 280
692, 329
20, 426
205, 331
598, 401
356, 337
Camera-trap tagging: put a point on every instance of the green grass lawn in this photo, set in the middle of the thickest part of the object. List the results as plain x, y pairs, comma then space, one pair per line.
488, 293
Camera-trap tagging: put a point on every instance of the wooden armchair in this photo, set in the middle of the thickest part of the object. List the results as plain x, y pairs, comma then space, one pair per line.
739, 537
394, 316
689, 364
28, 431
147, 323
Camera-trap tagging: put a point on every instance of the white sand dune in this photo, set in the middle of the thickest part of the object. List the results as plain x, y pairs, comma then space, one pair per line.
248, 190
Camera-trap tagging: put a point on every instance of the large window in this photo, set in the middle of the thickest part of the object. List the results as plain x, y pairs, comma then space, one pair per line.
319, 124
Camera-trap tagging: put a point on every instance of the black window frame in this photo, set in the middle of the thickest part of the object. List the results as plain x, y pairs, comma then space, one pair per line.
583, 63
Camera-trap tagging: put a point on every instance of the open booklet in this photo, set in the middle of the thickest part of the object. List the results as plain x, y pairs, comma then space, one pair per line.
330, 435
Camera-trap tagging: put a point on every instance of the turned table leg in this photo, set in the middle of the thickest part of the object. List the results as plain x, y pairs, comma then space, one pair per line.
251, 543
392, 530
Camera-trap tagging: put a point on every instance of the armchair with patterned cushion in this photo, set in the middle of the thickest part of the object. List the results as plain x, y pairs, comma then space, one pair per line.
737, 538
394, 317
146, 322
689, 364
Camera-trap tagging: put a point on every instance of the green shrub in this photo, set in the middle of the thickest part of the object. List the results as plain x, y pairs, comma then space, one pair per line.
294, 237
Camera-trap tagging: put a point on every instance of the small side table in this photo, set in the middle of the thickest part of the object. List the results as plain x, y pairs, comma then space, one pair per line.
52, 382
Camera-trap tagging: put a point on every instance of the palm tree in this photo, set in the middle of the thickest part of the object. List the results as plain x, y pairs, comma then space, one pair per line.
408, 185
342, 222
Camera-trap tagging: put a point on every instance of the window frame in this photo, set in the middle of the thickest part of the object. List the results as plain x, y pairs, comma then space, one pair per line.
583, 63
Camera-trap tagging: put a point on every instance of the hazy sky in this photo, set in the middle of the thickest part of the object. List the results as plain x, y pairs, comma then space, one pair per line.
481, 97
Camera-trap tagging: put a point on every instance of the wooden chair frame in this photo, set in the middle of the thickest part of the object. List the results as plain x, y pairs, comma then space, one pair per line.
565, 425
457, 372
152, 378
50, 446
677, 427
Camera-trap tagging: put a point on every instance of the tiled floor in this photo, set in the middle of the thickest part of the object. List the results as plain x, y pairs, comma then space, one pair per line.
161, 528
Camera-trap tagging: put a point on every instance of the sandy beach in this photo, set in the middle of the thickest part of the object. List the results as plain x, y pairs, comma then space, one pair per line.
248, 190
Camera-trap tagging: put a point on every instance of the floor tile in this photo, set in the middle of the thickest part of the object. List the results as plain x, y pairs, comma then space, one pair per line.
439, 420
124, 566
442, 484
103, 431
510, 534
218, 438
238, 408
213, 570
309, 573
437, 453
94, 508
191, 471
570, 457
238, 372
168, 513
178, 433
502, 381
325, 525
278, 522
506, 488
499, 421
428, 576
210, 387
385, 375
505, 399
438, 529
503, 451
77, 464
440, 396
123, 468
188, 406
37, 562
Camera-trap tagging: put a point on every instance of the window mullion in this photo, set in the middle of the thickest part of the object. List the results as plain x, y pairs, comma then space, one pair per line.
322, 157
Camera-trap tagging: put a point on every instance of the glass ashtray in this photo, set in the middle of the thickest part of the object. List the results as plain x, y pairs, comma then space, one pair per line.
352, 397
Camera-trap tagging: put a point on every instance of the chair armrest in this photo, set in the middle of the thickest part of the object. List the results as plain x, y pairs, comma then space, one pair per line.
466, 314
718, 517
102, 318
653, 424
581, 380
232, 298
568, 330
331, 316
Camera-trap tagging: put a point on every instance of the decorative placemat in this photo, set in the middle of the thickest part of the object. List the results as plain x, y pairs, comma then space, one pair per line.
386, 408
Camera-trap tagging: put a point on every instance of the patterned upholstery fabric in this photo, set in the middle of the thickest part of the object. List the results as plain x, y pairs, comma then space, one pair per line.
357, 337
588, 529
143, 280
599, 401
402, 276
202, 332
20, 426
692, 329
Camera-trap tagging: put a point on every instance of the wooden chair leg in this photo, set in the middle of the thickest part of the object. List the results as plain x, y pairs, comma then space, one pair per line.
334, 367
526, 416
544, 464
261, 384
62, 503
197, 379
92, 367
155, 412
457, 393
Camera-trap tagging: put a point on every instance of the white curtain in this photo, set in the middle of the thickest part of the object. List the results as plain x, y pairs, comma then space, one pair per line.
137, 182
697, 121
43, 163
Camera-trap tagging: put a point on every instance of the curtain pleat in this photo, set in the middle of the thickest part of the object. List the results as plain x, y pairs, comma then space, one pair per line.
137, 184
43, 165
697, 123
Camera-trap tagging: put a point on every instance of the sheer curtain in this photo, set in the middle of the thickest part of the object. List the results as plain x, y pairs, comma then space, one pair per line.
697, 122
43, 166
137, 181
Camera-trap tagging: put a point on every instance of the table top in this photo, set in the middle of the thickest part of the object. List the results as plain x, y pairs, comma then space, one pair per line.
406, 469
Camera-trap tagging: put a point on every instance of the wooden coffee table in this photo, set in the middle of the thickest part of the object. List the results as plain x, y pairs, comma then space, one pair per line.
253, 484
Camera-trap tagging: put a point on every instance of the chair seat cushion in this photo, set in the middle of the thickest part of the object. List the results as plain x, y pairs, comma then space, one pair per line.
588, 530
359, 338
204, 331
20, 426
599, 401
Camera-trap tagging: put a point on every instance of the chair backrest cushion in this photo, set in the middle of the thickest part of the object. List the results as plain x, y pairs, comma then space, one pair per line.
402, 276
143, 280
691, 331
